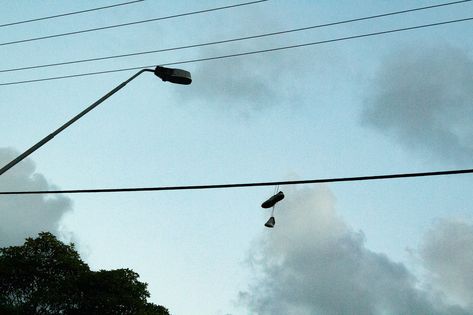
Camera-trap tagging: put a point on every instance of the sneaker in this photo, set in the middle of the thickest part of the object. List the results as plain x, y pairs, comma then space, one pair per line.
271, 222
273, 200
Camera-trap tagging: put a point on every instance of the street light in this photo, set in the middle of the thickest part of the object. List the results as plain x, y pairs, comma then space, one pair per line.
176, 76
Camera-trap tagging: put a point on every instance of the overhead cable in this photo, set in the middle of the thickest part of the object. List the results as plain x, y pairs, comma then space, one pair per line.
233, 39
129, 23
241, 185
243, 53
69, 13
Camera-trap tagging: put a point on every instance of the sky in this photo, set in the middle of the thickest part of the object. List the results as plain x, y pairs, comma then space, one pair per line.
394, 103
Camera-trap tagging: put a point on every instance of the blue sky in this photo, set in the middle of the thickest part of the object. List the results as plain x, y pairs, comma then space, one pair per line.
386, 104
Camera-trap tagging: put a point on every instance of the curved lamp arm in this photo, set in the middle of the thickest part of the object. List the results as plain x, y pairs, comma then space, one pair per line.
166, 74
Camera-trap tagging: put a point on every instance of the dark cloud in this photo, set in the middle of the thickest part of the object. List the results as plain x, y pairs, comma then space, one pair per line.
424, 99
25, 216
313, 263
447, 255
252, 83
241, 84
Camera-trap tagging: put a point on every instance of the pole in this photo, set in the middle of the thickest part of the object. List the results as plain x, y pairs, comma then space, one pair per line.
67, 124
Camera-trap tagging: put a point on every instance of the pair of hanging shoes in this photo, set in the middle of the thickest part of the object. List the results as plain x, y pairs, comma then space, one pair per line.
270, 203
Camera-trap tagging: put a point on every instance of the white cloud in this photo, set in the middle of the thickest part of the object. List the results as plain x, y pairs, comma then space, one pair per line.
24, 216
447, 255
424, 99
313, 263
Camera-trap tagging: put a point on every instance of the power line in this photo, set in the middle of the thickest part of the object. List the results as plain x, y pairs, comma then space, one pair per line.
129, 23
243, 53
241, 185
234, 39
70, 13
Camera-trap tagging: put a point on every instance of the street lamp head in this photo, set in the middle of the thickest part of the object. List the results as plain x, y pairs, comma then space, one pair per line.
177, 76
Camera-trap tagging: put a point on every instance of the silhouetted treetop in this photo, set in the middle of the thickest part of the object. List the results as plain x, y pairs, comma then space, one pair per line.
47, 277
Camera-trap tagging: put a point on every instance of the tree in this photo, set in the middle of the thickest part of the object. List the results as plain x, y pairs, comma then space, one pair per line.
46, 277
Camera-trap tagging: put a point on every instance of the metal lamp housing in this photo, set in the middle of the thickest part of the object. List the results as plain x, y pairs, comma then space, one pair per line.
177, 76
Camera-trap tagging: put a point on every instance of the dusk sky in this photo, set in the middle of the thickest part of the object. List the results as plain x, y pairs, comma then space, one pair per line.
392, 103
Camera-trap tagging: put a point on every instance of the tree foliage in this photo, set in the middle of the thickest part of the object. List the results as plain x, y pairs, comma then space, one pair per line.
47, 277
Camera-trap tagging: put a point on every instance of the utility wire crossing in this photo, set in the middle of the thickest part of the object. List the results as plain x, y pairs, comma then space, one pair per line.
70, 13
128, 24
241, 185
243, 53
234, 39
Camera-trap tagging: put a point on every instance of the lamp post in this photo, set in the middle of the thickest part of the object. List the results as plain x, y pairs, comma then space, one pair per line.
176, 76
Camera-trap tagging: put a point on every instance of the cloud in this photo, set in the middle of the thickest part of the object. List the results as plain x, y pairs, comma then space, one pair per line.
253, 83
424, 99
241, 84
25, 216
312, 262
447, 255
